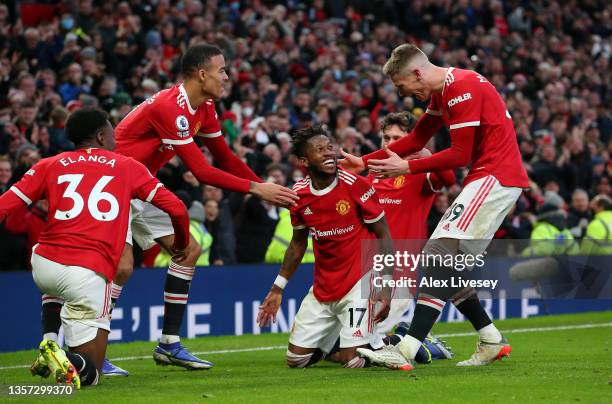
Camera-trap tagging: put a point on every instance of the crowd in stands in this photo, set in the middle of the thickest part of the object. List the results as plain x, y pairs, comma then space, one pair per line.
297, 63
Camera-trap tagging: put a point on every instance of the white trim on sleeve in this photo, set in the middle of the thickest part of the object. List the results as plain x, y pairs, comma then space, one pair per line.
210, 135
153, 192
428, 176
376, 219
177, 142
299, 227
21, 195
433, 112
465, 124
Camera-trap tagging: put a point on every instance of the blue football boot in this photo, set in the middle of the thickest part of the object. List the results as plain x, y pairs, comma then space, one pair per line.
176, 354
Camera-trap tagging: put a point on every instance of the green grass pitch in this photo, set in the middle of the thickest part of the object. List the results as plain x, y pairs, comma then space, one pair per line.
555, 359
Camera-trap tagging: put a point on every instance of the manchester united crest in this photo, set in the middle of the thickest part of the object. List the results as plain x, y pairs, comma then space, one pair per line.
399, 182
343, 207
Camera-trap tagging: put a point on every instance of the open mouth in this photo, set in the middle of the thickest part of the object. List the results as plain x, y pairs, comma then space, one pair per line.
329, 163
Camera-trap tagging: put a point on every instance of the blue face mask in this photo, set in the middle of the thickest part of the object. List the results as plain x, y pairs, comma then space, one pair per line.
67, 23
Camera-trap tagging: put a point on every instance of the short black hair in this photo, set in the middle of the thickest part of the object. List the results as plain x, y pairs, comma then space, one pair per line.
198, 57
300, 138
84, 124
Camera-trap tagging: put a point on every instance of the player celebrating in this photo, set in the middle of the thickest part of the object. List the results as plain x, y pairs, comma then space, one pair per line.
415, 194
340, 210
158, 129
482, 134
89, 192
408, 193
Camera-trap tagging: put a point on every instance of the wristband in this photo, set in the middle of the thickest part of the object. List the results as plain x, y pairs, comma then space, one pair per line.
281, 281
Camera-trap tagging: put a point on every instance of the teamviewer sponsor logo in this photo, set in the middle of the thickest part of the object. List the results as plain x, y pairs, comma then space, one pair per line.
367, 195
389, 201
454, 101
337, 231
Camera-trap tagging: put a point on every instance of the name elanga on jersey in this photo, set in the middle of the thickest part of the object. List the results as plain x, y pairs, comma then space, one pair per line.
92, 158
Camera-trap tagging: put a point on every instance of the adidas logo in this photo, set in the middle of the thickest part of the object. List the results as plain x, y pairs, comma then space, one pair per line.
307, 211
358, 334
446, 227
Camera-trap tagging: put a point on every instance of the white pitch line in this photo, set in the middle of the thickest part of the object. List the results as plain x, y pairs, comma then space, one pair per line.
274, 347
535, 329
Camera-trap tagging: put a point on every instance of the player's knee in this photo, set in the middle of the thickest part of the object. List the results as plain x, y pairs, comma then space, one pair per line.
297, 360
355, 363
303, 360
194, 250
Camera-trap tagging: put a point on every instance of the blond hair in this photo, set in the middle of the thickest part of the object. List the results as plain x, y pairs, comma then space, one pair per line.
401, 57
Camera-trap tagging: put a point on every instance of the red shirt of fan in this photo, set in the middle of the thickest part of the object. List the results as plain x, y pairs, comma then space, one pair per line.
337, 218
89, 193
468, 99
149, 132
407, 200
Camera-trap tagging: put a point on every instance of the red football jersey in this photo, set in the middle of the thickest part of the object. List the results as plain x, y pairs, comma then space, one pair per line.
468, 99
407, 200
149, 132
336, 217
89, 193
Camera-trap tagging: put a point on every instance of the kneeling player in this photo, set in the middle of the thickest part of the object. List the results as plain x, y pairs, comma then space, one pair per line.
89, 192
340, 210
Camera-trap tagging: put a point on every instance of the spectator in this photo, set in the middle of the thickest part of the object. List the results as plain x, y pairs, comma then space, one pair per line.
257, 220
550, 235
598, 238
6, 172
223, 249
579, 213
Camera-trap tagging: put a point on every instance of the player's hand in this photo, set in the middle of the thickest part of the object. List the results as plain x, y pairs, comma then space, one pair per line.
269, 307
351, 163
178, 255
392, 166
274, 193
384, 297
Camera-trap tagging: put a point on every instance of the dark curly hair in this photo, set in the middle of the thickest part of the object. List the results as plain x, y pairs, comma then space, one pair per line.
300, 138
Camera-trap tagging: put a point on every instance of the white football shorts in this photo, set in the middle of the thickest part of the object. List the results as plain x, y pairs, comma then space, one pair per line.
318, 324
86, 297
147, 223
477, 213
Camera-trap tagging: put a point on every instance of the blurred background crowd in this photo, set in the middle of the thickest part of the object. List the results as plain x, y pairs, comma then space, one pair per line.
297, 63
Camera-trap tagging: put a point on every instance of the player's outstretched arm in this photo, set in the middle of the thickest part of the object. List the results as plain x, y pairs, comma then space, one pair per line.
227, 160
291, 261
457, 155
29, 189
274, 193
385, 246
9, 201
425, 128
207, 174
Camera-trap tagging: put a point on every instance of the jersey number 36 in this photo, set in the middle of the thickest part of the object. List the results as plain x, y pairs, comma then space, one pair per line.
94, 198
